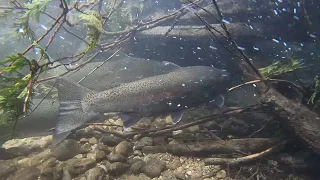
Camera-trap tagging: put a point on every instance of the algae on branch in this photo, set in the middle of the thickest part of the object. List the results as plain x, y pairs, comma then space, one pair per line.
278, 68
95, 27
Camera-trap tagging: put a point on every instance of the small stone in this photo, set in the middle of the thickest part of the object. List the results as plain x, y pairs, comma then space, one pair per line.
19, 151
35, 160
79, 166
192, 129
118, 168
154, 149
7, 168
87, 133
85, 148
134, 160
79, 156
66, 175
170, 139
153, 167
136, 167
112, 157
221, 174
30, 144
173, 164
211, 125
100, 155
137, 153
124, 148
136, 137
168, 175
159, 141
104, 148
30, 173
93, 140
65, 150
91, 155
5, 155
51, 173
179, 175
111, 140
95, 174
145, 141
182, 135
137, 177
83, 140
52, 162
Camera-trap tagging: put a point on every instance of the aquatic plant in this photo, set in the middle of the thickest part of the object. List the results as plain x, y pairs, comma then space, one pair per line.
278, 68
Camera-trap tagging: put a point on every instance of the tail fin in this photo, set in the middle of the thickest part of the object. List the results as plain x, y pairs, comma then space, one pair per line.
71, 114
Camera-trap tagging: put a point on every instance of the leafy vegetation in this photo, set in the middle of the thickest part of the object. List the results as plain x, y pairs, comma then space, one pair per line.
13, 88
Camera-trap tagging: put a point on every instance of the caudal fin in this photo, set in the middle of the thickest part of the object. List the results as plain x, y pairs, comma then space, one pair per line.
71, 114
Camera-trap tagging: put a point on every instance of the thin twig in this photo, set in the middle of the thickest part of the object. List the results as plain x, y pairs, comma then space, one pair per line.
54, 34
246, 58
266, 80
99, 65
241, 160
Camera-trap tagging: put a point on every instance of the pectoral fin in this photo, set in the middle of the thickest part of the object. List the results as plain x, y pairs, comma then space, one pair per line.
129, 120
218, 101
176, 117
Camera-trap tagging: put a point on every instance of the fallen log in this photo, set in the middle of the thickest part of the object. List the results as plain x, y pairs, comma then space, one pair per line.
300, 121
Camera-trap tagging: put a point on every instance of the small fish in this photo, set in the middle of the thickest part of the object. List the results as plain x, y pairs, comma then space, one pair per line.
173, 92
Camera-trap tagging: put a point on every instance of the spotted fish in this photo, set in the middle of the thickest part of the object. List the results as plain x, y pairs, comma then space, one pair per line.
173, 92
118, 70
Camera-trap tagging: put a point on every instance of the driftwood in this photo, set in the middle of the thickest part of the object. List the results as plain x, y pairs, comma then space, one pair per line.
234, 146
241, 160
250, 145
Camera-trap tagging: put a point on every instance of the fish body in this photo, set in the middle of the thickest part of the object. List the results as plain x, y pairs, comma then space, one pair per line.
173, 92
113, 72
118, 70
